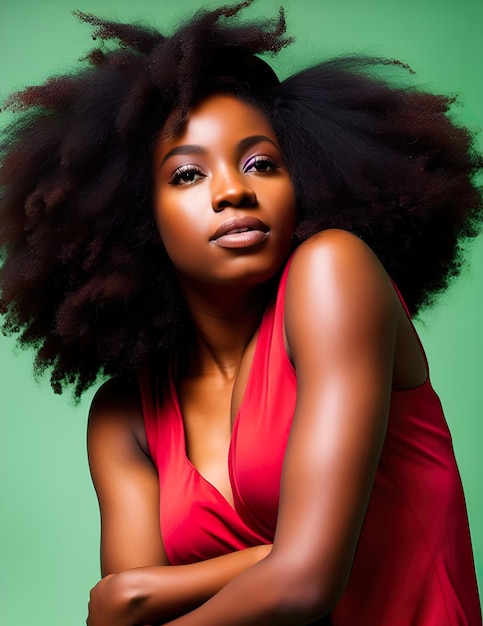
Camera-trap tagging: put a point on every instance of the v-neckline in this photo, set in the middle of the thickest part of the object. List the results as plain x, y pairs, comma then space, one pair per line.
234, 428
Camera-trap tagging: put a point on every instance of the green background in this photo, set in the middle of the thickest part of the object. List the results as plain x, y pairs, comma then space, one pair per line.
48, 512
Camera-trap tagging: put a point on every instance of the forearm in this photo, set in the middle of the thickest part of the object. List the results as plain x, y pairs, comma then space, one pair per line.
264, 595
156, 594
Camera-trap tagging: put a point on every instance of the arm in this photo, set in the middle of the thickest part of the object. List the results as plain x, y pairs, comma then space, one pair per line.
341, 327
139, 586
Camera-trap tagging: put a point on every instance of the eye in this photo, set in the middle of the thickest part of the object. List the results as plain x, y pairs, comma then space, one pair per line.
186, 175
260, 163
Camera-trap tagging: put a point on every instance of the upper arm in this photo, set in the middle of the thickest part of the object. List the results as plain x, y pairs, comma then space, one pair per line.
341, 327
125, 480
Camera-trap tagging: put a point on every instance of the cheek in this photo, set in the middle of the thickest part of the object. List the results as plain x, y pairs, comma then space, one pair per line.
286, 207
170, 214
180, 226
170, 223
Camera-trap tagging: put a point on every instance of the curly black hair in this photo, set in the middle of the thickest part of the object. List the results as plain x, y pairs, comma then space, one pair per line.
86, 281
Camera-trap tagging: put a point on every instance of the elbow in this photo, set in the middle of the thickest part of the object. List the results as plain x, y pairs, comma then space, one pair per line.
307, 604
303, 596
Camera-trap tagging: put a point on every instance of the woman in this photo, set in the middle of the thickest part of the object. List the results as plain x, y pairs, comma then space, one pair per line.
190, 175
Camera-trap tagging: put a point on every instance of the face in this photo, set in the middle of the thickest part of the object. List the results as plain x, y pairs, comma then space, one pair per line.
224, 202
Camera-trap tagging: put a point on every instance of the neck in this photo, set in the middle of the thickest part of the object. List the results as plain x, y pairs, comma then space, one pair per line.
224, 321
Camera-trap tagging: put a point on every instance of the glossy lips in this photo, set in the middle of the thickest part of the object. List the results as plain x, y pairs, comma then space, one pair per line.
240, 232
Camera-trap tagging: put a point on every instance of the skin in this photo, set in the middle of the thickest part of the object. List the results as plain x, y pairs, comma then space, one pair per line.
349, 339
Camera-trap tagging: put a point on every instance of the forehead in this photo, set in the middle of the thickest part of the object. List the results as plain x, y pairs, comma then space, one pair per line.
220, 119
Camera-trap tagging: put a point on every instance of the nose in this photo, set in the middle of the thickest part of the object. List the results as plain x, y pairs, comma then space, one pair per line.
231, 189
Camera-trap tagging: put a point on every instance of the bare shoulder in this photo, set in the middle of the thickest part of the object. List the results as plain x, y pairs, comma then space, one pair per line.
116, 411
117, 393
337, 287
336, 250
339, 263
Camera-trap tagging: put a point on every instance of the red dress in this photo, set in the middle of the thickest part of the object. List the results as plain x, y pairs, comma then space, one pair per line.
413, 565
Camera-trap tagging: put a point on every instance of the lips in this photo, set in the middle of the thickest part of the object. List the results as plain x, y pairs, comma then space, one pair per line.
240, 232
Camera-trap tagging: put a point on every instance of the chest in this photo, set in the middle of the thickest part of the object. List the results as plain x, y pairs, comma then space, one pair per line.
247, 442
208, 407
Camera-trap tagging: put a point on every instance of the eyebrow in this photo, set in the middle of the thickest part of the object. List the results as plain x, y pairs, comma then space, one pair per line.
186, 149
248, 142
242, 145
